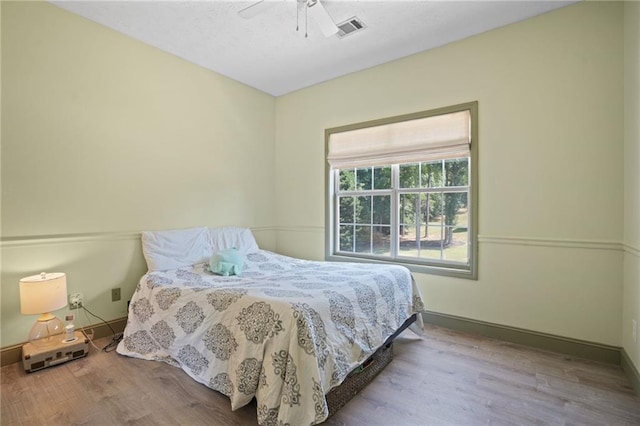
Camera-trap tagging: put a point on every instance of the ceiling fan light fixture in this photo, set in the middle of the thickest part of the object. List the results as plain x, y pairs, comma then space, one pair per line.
313, 9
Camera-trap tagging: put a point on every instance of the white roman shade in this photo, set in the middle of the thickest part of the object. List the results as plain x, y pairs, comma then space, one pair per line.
422, 139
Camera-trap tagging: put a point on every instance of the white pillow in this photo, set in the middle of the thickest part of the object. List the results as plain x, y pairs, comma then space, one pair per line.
174, 249
230, 237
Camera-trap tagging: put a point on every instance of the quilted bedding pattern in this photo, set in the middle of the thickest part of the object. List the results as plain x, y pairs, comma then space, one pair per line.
285, 332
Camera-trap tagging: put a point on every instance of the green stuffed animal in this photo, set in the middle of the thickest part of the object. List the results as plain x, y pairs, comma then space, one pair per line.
226, 262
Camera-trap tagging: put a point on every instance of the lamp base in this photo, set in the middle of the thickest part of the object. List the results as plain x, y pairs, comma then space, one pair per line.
47, 331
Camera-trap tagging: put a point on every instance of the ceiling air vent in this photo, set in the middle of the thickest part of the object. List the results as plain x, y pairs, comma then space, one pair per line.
350, 26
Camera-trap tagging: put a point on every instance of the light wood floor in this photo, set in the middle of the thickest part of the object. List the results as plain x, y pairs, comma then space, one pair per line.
447, 378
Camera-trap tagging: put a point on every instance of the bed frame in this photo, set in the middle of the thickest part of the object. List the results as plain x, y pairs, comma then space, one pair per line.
361, 376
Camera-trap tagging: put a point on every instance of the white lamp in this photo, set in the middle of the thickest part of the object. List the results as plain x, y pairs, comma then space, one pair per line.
41, 294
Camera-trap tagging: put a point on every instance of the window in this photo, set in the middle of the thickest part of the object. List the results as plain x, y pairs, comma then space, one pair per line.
403, 190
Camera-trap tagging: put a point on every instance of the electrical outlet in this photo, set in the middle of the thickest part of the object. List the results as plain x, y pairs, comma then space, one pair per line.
75, 300
115, 294
634, 330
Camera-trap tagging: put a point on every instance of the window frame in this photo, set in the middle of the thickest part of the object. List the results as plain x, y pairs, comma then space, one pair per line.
441, 267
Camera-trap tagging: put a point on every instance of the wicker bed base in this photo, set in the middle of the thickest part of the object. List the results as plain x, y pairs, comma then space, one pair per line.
359, 378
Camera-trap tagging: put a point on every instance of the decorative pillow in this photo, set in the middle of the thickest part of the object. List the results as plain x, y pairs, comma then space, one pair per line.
232, 237
174, 249
227, 262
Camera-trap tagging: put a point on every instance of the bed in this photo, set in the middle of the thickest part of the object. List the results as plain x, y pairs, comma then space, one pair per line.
284, 331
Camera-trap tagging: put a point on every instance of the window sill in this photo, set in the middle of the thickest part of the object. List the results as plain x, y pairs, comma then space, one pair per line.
413, 267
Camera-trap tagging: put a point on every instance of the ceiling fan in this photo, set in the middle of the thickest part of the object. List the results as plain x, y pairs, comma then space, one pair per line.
312, 8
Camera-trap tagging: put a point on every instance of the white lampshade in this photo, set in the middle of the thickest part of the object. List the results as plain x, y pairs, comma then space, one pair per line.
43, 293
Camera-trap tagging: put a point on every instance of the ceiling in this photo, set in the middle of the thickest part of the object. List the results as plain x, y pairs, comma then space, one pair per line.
267, 53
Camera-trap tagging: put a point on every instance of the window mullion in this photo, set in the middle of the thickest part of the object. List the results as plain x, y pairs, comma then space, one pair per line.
395, 223
434, 190
353, 225
371, 220
336, 223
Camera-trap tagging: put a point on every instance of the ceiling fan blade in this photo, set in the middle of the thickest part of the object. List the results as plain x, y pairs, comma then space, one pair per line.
319, 14
255, 9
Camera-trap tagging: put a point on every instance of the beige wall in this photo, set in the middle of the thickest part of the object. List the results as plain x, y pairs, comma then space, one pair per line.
106, 136
631, 289
550, 93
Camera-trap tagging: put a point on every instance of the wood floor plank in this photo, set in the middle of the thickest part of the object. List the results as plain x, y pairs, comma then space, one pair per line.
445, 378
